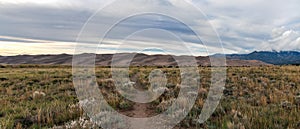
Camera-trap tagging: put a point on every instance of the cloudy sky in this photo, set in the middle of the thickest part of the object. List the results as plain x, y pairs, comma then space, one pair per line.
53, 26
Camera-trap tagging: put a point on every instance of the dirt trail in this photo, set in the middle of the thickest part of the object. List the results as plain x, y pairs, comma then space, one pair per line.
140, 110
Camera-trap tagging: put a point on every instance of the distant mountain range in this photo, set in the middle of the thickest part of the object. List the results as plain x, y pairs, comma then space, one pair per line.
256, 58
106, 59
271, 57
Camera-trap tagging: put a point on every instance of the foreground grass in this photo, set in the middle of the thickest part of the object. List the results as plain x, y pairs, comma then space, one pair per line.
255, 97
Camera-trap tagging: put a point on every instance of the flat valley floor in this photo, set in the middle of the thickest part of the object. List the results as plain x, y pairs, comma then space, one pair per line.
43, 96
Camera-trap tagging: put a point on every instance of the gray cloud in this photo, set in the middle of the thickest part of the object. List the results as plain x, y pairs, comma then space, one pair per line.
41, 22
243, 26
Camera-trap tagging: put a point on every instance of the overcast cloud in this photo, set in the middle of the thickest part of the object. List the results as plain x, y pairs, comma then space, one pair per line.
52, 26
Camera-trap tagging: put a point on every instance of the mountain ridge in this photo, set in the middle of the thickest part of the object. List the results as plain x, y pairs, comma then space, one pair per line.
140, 59
271, 57
255, 58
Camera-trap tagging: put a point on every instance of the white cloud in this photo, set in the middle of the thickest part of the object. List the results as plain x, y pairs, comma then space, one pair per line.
244, 25
283, 39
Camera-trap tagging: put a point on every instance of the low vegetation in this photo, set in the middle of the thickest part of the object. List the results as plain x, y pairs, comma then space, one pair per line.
254, 97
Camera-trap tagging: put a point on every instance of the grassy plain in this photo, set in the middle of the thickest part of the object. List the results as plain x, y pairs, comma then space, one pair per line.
255, 97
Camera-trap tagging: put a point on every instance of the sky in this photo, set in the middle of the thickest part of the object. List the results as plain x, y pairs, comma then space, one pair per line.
58, 26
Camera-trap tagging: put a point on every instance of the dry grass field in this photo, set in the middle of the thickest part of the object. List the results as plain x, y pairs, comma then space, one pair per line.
34, 96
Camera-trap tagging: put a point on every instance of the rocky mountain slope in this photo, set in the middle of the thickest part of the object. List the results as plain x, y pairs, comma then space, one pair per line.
271, 57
